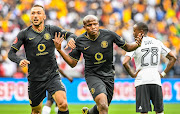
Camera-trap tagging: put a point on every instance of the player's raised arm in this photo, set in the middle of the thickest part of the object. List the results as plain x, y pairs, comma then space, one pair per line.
57, 41
68, 36
132, 46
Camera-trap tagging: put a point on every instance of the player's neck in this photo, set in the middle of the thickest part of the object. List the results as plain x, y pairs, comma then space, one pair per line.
38, 28
92, 36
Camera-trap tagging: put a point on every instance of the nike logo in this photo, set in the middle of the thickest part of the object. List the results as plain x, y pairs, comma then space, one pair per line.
85, 48
31, 38
140, 108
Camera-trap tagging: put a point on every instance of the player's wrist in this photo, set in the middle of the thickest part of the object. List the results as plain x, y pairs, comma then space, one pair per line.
163, 74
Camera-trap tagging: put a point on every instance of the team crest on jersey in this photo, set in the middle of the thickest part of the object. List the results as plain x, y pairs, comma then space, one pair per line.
104, 44
92, 90
30, 101
47, 36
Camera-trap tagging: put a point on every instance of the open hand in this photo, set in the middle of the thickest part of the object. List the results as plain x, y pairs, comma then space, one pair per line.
139, 39
57, 41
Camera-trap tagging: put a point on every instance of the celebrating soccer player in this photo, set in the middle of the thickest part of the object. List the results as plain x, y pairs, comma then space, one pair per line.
43, 71
97, 48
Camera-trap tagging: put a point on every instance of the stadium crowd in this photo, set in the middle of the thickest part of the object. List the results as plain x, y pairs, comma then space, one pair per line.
162, 17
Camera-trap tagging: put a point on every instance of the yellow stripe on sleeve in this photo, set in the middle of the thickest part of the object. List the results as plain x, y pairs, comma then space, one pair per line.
15, 48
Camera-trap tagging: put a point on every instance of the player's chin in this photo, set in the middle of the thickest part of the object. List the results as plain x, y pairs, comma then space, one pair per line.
36, 23
94, 32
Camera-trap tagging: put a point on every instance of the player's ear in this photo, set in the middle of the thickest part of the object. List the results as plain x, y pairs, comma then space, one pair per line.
44, 17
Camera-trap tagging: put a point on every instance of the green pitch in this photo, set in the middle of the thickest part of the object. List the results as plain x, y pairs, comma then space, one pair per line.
76, 109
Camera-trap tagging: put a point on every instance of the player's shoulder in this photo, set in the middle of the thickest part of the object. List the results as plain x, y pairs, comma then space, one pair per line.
25, 30
152, 39
81, 37
105, 31
52, 27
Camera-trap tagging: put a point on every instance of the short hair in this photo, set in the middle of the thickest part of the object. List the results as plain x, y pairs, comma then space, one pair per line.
37, 5
142, 26
89, 18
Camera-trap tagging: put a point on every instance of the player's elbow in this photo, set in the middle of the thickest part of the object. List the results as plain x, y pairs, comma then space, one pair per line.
173, 58
73, 64
124, 63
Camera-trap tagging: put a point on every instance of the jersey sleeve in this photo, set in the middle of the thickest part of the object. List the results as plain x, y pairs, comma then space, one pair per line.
130, 54
15, 47
118, 40
67, 35
18, 40
75, 54
164, 50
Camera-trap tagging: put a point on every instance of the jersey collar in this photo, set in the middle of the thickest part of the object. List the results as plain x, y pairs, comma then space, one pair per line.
90, 38
38, 31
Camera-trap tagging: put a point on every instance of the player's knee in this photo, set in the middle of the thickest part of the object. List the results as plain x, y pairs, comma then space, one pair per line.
103, 106
62, 105
35, 111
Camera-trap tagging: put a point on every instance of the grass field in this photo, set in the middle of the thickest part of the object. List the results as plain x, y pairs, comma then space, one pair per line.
76, 109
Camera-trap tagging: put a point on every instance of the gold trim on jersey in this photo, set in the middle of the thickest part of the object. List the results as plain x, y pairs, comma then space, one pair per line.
14, 48
65, 36
73, 58
124, 44
38, 31
92, 39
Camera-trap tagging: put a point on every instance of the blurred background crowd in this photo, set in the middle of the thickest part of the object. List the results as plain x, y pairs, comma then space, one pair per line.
162, 17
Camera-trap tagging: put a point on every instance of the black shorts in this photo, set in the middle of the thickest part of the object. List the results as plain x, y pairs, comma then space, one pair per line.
147, 92
37, 89
99, 85
49, 97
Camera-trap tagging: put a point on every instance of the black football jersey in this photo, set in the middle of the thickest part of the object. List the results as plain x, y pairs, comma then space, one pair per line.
39, 49
98, 53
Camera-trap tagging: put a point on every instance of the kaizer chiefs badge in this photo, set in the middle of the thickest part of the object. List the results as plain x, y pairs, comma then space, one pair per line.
104, 44
92, 90
47, 36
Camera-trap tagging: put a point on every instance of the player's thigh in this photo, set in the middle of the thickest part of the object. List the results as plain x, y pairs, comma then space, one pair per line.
56, 88
55, 85
101, 99
36, 92
109, 82
157, 97
143, 99
60, 97
96, 86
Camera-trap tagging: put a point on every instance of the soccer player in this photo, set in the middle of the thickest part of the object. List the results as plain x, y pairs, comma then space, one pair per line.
97, 48
43, 71
147, 77
47, 108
